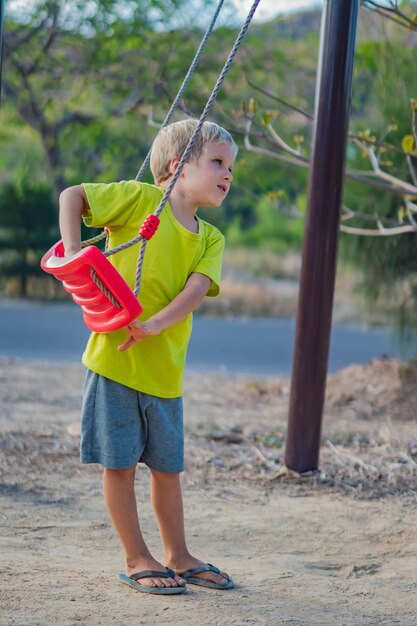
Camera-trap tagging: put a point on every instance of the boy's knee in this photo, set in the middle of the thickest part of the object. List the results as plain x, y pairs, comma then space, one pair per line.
165, 476
120, 473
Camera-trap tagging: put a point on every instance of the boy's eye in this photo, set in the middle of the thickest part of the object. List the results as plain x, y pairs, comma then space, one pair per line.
219, 161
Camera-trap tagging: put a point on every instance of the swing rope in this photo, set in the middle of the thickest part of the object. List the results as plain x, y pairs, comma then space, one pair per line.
151, 223
145, 164
184, 85
92, 263
148, 228
170, 113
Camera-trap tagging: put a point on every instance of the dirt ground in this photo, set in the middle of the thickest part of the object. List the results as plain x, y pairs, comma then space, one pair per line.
336, 547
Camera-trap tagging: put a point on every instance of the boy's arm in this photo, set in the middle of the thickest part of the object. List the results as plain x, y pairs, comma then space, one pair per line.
182, 305
72, 204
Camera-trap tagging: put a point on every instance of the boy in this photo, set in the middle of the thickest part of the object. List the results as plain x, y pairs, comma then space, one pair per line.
132, 409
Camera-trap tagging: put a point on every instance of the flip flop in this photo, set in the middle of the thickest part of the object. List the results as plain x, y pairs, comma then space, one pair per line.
190, 576
162, 591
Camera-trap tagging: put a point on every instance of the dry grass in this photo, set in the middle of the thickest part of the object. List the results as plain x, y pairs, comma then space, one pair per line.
236, 429
265, 284
255, 283
264, 263
38, 288
252, 298
369, 442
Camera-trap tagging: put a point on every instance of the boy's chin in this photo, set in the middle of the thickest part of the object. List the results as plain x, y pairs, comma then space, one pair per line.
213, 204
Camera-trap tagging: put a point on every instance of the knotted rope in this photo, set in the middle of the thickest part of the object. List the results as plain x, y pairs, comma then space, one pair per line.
187, 152
174, 106
145, 164
184, 85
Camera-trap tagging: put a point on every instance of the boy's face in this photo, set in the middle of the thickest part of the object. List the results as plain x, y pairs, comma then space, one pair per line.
207, 181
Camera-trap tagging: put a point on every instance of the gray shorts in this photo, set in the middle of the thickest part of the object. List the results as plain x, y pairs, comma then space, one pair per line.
121, 427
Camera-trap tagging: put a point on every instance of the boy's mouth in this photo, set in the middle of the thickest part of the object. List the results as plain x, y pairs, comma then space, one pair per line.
223, 188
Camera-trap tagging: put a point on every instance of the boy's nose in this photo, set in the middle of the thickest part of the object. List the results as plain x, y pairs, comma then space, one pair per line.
228, 176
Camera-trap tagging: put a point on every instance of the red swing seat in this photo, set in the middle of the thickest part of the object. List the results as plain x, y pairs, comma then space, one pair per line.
102, 313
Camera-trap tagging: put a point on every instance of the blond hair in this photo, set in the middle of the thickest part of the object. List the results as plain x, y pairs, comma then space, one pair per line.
171, 142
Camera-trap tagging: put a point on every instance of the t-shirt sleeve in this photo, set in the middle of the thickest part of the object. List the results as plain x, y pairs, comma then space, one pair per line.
111, 204
210, 263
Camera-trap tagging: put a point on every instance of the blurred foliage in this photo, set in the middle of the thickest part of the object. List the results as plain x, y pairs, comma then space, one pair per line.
82, 80
28, 227
385, 84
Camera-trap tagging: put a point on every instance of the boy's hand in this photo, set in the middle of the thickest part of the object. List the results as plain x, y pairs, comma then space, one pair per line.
188, 300
138, 331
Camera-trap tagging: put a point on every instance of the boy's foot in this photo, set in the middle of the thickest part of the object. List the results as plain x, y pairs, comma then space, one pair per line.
197, 572
134, 580
154, 581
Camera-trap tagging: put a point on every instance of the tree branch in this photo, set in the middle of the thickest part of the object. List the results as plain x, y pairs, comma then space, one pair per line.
309, 116
391, 12
74, 117
384, 227
404, 187
299, 161
385, 182
387, 232
44, 48
292, 107
16, 38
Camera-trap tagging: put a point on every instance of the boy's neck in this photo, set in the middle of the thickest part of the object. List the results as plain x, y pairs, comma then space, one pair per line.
184, 211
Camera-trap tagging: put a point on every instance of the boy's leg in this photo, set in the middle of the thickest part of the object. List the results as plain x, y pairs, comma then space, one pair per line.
120, 499
166, 498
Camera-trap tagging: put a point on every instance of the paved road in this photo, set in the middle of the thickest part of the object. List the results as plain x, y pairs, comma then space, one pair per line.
249, 346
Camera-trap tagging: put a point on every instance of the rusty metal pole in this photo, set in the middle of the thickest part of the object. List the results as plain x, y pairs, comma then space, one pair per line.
314, 317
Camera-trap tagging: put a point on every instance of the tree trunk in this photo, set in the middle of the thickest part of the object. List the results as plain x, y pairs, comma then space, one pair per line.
50, 140
23, 278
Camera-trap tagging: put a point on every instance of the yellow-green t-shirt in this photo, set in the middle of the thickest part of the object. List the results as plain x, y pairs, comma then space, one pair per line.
156, 364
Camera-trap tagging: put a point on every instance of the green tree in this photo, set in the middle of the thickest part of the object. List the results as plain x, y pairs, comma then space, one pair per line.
55, 57
81, 81
27, 228
381, 179
385, 84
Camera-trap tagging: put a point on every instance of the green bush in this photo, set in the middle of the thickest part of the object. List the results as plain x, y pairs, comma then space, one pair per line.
28, 227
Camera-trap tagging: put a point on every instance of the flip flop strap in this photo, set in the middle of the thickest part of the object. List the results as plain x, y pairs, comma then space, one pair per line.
148, 573
207, 567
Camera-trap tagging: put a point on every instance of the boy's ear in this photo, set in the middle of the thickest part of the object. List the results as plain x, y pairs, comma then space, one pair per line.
173, 164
